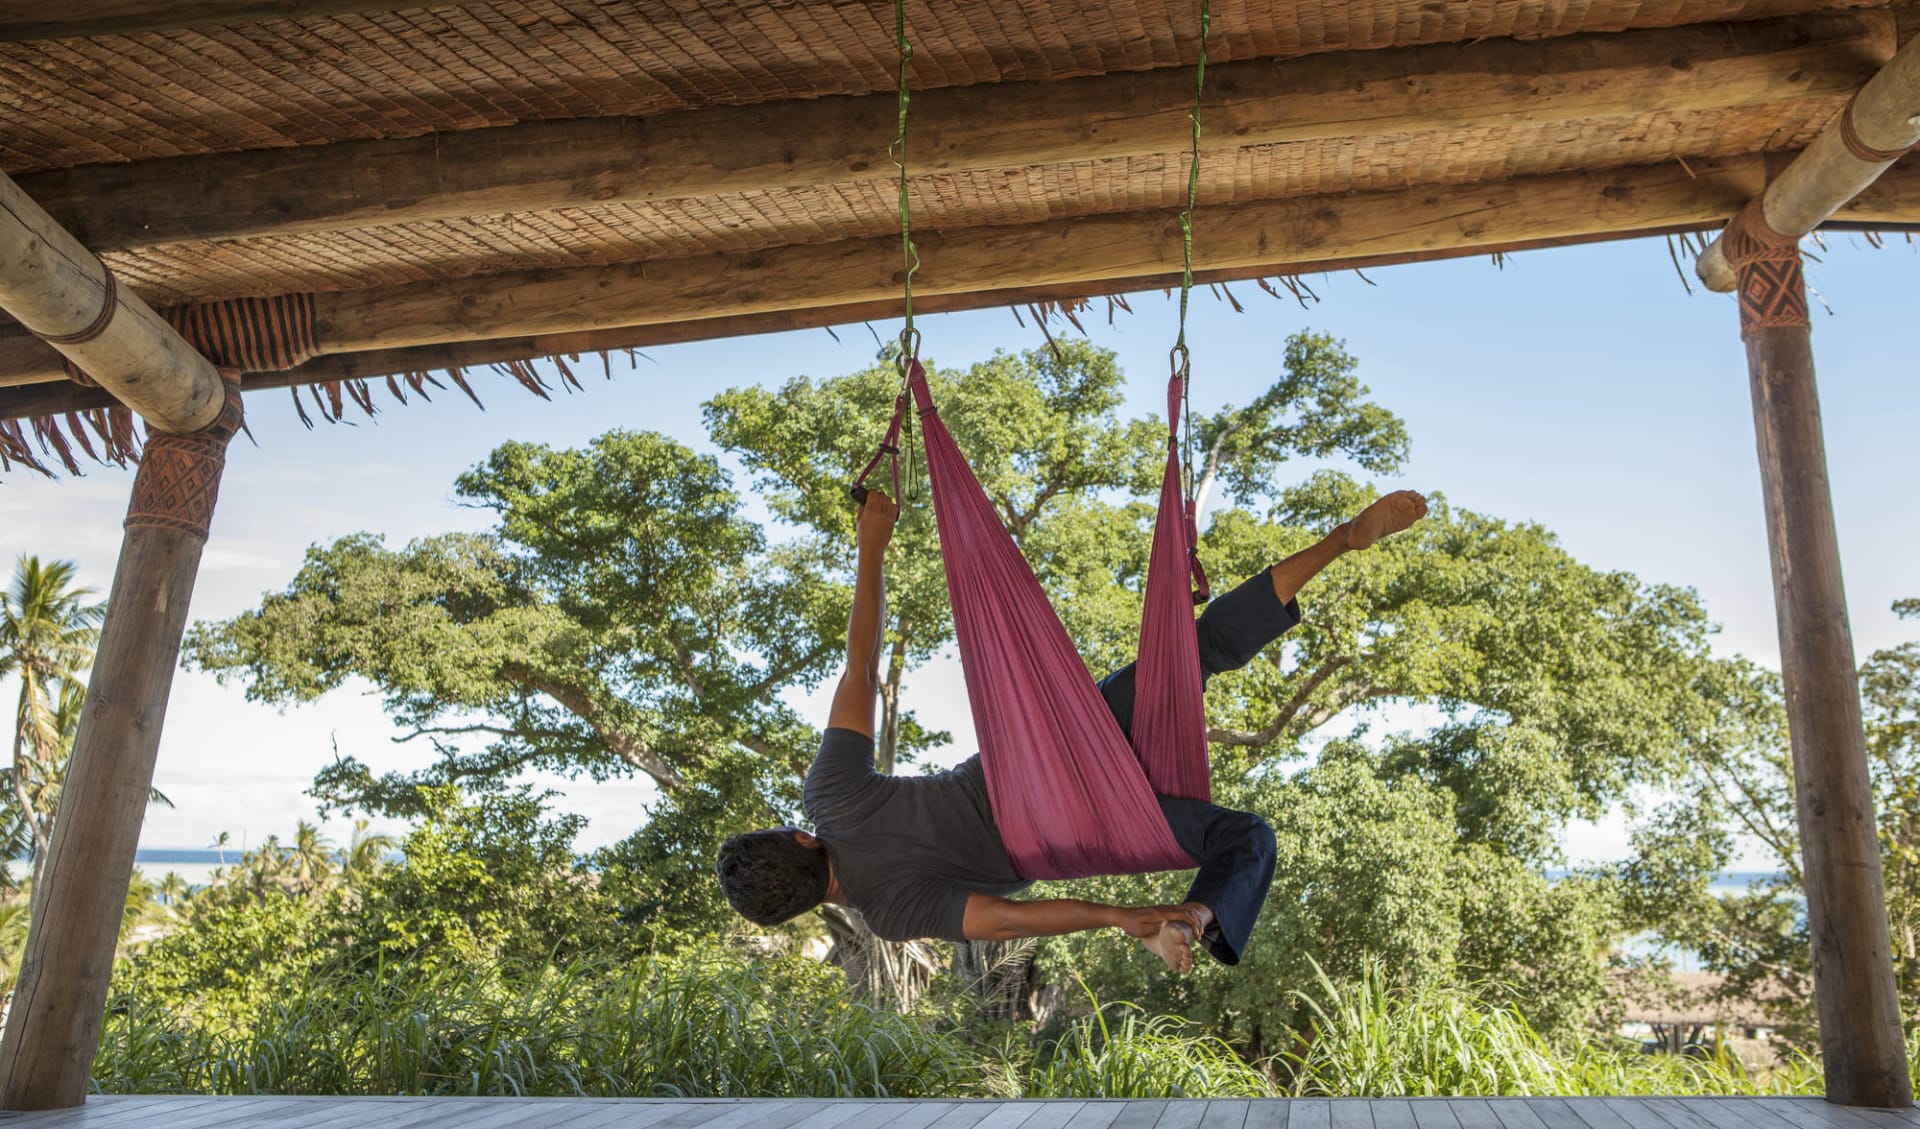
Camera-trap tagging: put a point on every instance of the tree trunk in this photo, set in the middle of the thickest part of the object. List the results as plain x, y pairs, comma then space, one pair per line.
888, 973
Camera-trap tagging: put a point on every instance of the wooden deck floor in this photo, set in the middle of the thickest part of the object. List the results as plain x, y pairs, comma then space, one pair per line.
1304, 1113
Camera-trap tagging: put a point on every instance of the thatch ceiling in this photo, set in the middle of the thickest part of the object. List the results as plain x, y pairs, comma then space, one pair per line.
441, 177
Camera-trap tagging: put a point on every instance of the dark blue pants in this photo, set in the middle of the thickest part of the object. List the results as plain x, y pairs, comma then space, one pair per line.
1233, 849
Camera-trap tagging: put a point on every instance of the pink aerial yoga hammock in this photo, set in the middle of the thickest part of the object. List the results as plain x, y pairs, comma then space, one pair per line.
1070, 797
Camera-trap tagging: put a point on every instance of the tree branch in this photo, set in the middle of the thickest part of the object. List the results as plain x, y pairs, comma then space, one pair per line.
1270, 732
621, 745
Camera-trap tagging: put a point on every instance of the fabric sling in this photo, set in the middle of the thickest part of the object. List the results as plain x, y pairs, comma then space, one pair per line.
1070, 796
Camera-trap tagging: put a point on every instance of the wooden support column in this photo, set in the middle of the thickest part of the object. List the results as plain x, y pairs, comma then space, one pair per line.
1861, 1042
53, 1027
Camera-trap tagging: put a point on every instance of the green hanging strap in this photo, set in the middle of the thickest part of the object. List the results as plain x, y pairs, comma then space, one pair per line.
1182, 361
910, 255
895, 443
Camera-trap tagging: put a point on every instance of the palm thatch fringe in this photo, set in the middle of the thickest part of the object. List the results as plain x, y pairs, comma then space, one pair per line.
57, 436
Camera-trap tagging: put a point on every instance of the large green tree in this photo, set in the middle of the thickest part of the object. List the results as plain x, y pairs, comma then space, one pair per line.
623, 616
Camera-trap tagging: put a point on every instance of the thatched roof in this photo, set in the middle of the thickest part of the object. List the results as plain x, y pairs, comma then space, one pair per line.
466, 183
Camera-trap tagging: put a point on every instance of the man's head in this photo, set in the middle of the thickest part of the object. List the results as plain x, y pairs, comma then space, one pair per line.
775, 875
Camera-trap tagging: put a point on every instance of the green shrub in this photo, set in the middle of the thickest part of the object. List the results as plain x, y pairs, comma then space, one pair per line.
694, 1028
1146, 1056
1368, 1038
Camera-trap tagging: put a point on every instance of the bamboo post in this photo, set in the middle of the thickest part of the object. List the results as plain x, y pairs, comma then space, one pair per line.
68, 298
53, 1027
1863, 1052
1873, 130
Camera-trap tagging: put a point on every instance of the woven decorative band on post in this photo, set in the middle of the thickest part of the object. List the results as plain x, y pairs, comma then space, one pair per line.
247, 334
109, 305
179, 477
1850, 137
1772, 290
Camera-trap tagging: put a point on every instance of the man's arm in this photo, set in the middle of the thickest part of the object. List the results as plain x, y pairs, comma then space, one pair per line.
1002, 919
867, 627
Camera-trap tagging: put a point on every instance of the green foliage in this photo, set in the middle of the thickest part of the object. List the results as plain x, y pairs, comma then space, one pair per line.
1758, 941
669, 1028
1369, 1038
661, 876
622, 617
1145, 1056
483, 880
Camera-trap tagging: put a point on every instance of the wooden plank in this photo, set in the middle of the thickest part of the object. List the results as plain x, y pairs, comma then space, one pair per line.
1272, 1113
1141, 1114
1182, 1113
1818, 1113
1433, 1113
1393, 1113
1589, 1113
1471, 1113
1351, 1113
1231, 1113
631, 1114
122, 1110
1098, 1114
1735, 1113
1013, 1115
1513, 1113
1313, 1113
1554, 1113
1051, 1115
770, 147
968, 1115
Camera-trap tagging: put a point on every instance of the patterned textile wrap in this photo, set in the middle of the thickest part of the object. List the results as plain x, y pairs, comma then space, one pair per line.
238, 334
1169, 714
1070, 797
179, 477
1767, 264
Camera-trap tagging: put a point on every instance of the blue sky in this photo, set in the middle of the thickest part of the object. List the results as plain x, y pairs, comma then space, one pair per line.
1580, 387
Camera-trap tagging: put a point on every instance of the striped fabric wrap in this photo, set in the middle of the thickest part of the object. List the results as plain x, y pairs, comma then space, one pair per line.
249, 334
238, 334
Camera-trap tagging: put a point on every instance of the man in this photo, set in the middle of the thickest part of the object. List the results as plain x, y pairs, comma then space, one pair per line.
921, 856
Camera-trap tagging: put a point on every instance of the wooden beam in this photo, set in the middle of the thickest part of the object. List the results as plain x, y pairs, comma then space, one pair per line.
65, 295
53, 1022
780, 290
1237, 240
1863, 1051
58, 397
1357, 94
93, 18
1864, 139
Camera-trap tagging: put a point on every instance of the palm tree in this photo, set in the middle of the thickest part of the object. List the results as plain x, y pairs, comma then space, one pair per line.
172, 889
310, 859
47, 634
366, 853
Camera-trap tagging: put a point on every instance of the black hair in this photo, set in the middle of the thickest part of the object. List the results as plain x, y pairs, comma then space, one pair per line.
770, 877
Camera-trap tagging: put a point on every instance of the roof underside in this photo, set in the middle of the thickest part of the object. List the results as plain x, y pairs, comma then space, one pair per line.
496, 180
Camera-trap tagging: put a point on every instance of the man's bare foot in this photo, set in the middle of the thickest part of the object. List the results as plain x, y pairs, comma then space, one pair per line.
1385, 517
1173, 943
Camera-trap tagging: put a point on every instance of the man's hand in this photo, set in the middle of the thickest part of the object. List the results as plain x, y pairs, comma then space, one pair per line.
1145, 921
877, 517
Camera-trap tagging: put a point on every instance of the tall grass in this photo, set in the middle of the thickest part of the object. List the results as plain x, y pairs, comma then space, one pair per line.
1146, 1056
668, 1028
1373, 1039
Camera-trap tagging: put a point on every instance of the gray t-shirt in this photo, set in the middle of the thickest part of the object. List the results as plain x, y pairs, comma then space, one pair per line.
906, 849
